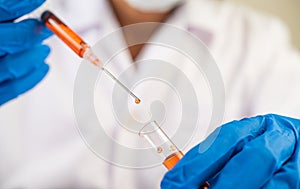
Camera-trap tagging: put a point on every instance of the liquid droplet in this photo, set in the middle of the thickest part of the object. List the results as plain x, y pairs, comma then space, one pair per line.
172, 148
159, 150
137, 101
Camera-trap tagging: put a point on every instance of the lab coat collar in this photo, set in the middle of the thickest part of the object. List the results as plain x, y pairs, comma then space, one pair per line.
182, 18
200, 17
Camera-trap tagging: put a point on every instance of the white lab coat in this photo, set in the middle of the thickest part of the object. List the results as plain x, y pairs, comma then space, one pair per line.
40, 146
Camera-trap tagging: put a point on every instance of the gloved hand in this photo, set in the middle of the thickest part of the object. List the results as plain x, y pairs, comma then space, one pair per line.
22, 56
259, 152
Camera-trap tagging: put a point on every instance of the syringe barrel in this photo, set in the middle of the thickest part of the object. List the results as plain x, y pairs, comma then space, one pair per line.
66, 34
78, 45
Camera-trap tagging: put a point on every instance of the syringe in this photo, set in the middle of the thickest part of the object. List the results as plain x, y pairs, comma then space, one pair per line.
78, 45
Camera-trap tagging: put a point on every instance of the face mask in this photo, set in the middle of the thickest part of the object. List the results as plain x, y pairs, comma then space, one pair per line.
154, 5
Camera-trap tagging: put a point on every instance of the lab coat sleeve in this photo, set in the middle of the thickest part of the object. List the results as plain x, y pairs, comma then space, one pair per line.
277, 88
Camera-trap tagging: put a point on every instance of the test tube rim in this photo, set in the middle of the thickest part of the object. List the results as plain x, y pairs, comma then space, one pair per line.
149, 132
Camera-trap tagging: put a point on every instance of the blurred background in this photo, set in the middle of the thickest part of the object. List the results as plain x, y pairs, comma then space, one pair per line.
286, 10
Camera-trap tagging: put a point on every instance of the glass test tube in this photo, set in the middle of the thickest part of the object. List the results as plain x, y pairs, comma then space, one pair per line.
78, 45
162, 144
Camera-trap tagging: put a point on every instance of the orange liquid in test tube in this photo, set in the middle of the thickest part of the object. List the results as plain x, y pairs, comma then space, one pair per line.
171, 160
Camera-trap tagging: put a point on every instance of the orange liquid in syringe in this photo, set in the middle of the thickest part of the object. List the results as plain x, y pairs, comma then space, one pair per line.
74, 41
77, 44
171, 160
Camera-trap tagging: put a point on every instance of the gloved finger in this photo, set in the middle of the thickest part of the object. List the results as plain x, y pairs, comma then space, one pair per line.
19, 64
12, 9
256, 163
12, 88
206, 159
288, 176
16, 37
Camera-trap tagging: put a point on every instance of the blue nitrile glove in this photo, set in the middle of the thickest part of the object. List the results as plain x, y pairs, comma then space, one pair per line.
259, 152
22, 56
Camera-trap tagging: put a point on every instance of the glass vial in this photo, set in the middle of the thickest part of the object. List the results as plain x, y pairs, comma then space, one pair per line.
162, 144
